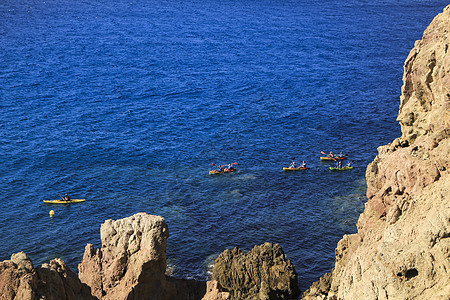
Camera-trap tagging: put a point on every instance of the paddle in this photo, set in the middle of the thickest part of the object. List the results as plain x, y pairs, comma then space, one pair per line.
333, 156
233, 164
61, 197
326, 155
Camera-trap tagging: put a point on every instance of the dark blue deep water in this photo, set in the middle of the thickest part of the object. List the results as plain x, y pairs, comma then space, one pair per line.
128, 103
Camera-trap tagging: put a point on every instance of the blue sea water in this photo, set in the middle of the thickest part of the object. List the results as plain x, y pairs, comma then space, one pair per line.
128, 103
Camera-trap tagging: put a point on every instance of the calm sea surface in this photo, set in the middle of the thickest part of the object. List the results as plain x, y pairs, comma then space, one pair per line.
128, 103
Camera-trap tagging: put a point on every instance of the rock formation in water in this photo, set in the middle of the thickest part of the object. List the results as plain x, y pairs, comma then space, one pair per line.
263, 273
131, 263
19, 279
402, 248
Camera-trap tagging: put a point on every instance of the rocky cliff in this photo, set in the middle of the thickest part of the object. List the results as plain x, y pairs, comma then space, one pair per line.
402, 247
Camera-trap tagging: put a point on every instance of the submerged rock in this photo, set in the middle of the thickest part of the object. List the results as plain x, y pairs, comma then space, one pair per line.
402, 248
262, 273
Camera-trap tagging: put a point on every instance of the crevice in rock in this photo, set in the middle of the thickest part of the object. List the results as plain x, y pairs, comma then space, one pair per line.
431, 65
411, 273
399, 192
408, 274
387, 191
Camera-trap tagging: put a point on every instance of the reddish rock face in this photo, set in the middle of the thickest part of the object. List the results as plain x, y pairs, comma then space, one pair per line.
132, 261
19, 279
401, 250
130, 265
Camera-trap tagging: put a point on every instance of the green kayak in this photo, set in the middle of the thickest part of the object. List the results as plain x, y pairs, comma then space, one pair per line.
340, 169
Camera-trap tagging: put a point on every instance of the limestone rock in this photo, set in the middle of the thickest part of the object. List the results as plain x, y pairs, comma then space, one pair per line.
263, 273
131, 263
90, 270
402, 248
57, 281
20, 280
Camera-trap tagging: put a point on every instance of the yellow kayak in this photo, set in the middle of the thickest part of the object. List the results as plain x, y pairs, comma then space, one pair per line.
60, 201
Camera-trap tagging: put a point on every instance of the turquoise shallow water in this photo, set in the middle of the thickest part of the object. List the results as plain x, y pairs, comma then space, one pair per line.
127, 104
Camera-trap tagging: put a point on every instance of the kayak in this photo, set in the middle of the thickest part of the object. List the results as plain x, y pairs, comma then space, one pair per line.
222, 172
340, 169
60, 201
295, 169
332, 158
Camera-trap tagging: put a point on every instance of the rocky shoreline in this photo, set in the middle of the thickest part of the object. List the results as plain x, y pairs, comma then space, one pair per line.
131, 264
401, 249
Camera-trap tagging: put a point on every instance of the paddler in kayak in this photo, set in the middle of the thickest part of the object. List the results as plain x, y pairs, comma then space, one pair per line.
303, 164
293, 164
66, 197
331, 155
229, 168
218, 168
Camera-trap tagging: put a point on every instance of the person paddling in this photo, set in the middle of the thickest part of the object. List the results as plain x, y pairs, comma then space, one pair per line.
65, 198
293, 165
230, 167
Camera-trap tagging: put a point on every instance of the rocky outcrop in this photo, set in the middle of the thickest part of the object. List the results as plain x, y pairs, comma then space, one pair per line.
402, 248
19, 279
263, 273
131, 263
